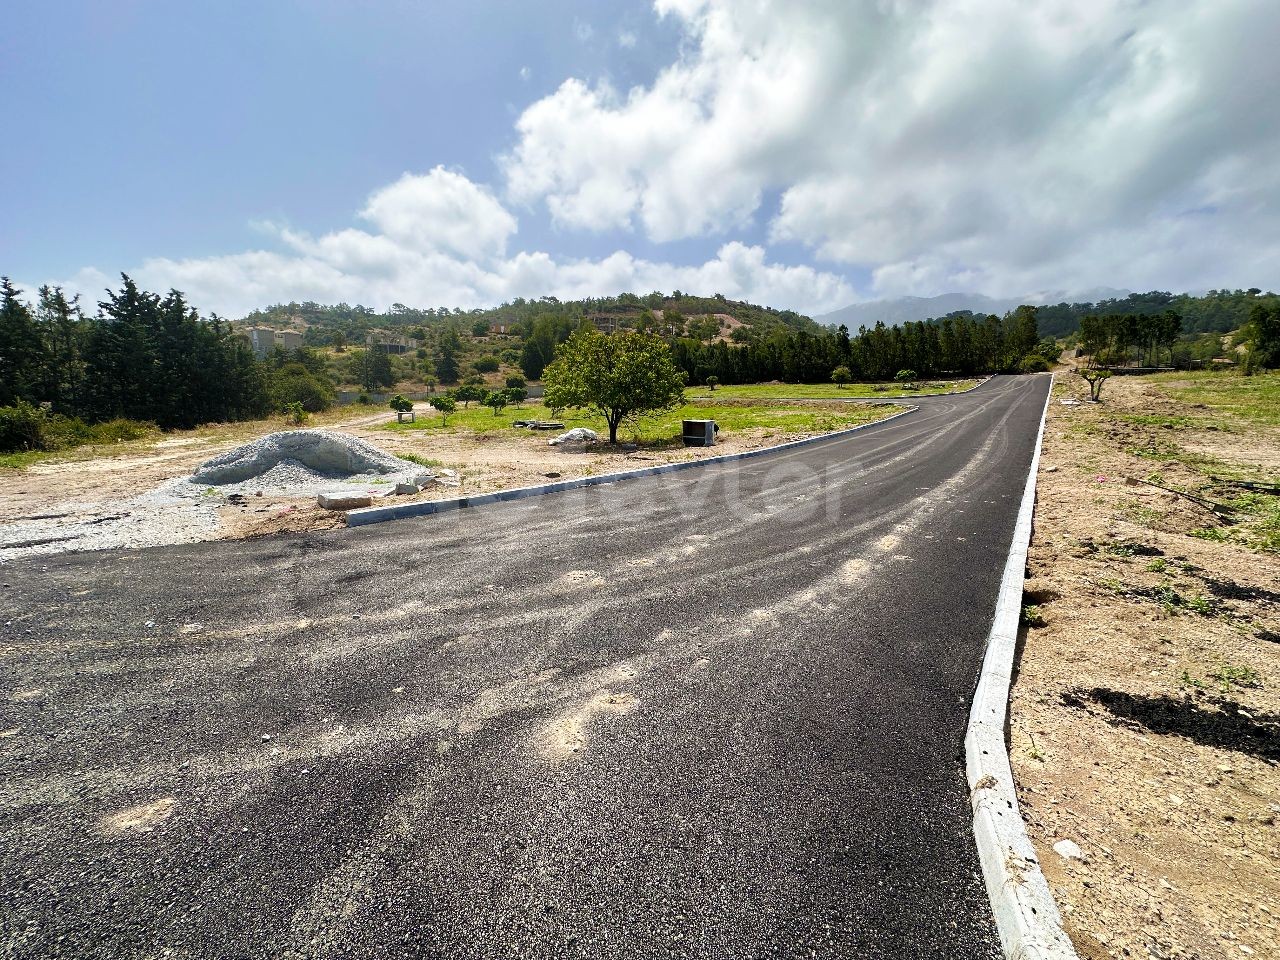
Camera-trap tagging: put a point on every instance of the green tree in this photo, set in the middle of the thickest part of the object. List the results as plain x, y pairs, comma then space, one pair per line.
446, 405
447, 357
516, 382
840, 376
620, 377
712, 382
468, 392
62, 330
22, 354
401, 404
497, 399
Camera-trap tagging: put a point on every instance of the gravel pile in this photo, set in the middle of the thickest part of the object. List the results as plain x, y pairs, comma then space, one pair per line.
302, 461
294, 463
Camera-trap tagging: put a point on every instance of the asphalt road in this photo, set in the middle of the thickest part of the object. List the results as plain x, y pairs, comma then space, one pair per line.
718, 713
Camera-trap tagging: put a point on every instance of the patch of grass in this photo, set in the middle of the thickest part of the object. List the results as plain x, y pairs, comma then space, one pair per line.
1228, 676
1233, 396
823, 391
1158, 565
421, 461
665, 428
1214, 534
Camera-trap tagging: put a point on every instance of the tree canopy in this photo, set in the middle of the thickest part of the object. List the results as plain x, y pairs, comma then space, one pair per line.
620, 376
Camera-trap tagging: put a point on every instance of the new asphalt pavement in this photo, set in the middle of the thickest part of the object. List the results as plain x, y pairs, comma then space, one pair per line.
717, 713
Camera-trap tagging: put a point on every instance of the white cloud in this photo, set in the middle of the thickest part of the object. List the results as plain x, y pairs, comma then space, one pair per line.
991, 144
582, 30
441, 211
525, 73
627, 40
440, 240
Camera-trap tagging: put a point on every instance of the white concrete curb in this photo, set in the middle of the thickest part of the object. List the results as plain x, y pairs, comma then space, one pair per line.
1026, 916
358, 518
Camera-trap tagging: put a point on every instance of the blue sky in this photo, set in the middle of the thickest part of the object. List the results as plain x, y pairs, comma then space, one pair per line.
805, 154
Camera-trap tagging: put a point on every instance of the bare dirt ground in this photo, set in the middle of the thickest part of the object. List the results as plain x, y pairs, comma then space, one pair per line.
85, 486
1145, 717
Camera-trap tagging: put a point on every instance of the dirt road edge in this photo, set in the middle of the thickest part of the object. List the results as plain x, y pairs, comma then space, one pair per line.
1027, 918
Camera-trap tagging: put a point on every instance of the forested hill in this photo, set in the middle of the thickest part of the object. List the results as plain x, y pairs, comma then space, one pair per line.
705, 318
1218, 311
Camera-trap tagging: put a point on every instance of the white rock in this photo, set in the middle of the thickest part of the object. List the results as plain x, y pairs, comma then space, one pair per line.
576, 435
1068, 850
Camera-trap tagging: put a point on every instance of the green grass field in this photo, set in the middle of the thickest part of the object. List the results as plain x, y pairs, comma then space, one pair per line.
826, 391
1240, 400
664, 428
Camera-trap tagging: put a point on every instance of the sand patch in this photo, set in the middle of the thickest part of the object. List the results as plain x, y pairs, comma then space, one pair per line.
568, 734
140, 819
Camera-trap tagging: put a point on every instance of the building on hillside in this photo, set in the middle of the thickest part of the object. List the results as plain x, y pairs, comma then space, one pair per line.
264, 340
389, 343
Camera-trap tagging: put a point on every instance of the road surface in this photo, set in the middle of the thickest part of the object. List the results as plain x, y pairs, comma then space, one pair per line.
718, 713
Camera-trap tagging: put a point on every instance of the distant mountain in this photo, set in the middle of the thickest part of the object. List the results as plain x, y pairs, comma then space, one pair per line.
915, 309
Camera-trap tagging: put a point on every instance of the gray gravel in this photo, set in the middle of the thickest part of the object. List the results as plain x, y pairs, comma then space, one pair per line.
293, 463
717, 713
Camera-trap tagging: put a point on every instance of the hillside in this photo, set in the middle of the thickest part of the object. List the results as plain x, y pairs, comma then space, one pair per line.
702, 318
1217, 311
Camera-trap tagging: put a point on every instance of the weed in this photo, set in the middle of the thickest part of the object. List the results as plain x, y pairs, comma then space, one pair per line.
1158, 565
1031, 616
420, 461
1186, 680
1215, 534
1228, 676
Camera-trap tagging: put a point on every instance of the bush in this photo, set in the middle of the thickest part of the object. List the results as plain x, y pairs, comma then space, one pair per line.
903, 376
516, 382
401, 404
295, 414
363, 399
1033, 363
25, 427
294, 383
487, 365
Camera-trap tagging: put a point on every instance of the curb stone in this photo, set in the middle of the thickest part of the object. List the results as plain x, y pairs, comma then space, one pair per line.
359, 518
1028, 921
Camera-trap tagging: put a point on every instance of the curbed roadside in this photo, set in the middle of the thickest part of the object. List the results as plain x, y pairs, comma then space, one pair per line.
358, 518
1026, 916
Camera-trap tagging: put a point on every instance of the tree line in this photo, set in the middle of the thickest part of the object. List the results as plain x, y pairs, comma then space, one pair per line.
962, 345
141, 356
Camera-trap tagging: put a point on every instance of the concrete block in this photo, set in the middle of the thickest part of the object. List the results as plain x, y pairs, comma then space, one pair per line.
344, 501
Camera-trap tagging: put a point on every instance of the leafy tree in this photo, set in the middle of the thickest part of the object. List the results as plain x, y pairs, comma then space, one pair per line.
447, 357
712, 382
516, 382
906, 376
516, 395
497, 399
61, 327
294, 383
446, 405
401, 404
469, 392
841, 376
1263, 334
487, 365
1095, 379
22, 357
620, 377
480, 328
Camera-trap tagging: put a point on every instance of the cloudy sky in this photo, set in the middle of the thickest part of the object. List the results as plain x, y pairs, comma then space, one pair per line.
800, 153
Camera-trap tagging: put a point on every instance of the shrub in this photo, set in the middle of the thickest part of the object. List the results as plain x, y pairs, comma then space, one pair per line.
294, 383
487, 365
401, 404
295, 414
1033, 363
497, 399
446, 405
903, 376
516, 382
363, 399
22, 427
712, 382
